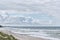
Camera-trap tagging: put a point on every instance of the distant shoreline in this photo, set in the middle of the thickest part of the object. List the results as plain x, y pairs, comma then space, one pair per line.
29, 27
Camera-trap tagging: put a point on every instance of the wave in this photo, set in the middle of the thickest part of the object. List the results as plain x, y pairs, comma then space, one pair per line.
42, 33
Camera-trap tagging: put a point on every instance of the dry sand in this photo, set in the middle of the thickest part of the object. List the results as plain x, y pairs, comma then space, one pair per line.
22, 37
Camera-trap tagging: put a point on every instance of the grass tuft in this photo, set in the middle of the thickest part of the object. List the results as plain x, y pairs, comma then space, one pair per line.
4, 36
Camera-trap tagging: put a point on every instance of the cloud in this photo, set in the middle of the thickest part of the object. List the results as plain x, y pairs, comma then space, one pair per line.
50, 7
43, 6
28, 19
47, 6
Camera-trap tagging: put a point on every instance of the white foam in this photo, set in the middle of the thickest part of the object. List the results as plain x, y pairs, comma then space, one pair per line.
50, 38
40, 33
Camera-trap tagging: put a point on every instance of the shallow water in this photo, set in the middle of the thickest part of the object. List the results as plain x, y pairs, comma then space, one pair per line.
53, 34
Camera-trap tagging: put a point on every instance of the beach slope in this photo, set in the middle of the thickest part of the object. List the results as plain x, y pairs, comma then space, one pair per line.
21, 37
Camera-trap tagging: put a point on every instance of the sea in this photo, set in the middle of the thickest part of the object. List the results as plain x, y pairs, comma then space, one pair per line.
50, 33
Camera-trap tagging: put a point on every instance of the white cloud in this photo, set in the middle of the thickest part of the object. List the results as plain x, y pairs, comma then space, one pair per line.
51, 7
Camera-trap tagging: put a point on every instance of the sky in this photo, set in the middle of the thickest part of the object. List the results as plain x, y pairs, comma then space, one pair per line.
33, 12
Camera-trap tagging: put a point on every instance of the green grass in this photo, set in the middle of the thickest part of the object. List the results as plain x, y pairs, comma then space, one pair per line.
4, 36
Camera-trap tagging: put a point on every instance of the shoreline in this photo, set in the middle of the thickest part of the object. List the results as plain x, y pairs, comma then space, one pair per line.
22, 37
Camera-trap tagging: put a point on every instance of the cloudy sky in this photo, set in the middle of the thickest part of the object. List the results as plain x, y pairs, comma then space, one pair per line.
41, 12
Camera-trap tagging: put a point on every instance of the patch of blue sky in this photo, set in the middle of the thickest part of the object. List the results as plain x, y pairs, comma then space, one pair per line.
40, 16
44, 17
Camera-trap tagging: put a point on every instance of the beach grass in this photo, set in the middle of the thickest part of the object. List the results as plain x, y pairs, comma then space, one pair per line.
4, 36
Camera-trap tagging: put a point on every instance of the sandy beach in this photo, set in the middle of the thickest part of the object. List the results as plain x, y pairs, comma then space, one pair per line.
21, 37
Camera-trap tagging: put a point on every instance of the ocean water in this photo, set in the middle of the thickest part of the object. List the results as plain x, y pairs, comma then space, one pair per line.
52, 33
